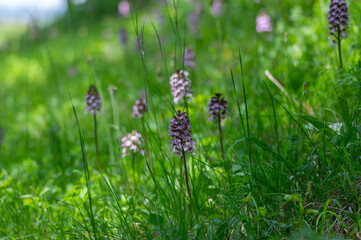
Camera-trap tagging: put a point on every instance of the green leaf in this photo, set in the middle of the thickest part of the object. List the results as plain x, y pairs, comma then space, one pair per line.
358, 129
312, 211
247, 199
262, 211
156, 220
222, 231
320, 125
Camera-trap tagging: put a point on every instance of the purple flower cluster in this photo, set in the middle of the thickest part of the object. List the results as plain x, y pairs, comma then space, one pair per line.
93, 101
124, 8
194, 20
123, 36
263, 23
189, 61
338, 19
217, 107
217, 8
180, 133
139, 108
181, 85
133, 142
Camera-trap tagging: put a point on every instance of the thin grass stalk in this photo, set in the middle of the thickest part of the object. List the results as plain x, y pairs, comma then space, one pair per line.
186, 102
221, 139
87, 175
186, 176
280, 165
146, 144
184, 46
133, 166
115, 112
181, 175
146, 84
245, 104
96, 142
274, 117
300, 127
238, 105
242, 123
339, 46
53, 67
164, 56
117, 208
176, 31
110, 144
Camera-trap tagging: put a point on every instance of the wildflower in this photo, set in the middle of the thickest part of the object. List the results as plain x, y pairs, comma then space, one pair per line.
93, 101
182, 142
180, 84
194, 22
133, 142
123, 8
180, 133
139, 108
159, 16
123, 36
217, 107
217, 111
217, 8
263, 23
194, 19
94, 104
338, 19
189, 61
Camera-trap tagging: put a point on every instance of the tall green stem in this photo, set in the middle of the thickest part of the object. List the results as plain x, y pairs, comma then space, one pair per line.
133, 166
96, 142
185, 102
186, 175
181, 176
146, 144
339, 46
220, 134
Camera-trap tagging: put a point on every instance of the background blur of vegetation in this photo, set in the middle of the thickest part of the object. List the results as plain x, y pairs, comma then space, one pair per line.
42, 184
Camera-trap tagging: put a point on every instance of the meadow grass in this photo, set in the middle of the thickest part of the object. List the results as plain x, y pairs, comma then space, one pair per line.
292, 154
